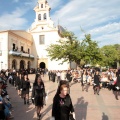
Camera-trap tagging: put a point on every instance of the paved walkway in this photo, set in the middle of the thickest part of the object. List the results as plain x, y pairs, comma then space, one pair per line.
87, 105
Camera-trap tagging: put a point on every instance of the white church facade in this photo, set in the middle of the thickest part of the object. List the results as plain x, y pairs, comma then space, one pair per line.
27, 49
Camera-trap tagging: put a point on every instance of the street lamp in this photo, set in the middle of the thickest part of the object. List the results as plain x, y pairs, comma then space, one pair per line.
1, 65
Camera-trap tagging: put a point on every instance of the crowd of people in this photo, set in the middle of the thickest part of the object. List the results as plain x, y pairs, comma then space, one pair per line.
109, 79
20, 80
5, 104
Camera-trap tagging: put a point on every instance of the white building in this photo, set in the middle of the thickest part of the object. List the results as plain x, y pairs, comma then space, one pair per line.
16, 49
41, 34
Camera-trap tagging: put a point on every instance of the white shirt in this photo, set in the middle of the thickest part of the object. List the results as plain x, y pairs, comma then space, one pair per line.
63, 76
89, 79
104, 79
114, 78
58, 74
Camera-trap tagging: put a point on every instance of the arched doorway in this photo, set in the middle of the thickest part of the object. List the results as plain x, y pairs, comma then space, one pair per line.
14, 64
42, 65
28, 65
22, 64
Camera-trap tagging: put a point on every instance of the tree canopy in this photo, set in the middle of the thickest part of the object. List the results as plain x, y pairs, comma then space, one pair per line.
70, 49
110, 54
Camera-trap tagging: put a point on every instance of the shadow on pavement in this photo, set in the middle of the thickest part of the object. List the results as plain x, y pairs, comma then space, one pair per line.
81, 109
104, 117
51, 92
73, 83
21, 111
46, 111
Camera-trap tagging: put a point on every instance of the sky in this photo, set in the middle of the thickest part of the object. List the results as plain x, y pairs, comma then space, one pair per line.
99, 18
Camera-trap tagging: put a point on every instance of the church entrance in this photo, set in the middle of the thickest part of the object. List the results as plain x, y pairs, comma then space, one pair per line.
42, 65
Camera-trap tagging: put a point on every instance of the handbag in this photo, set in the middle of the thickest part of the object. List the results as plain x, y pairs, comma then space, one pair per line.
71, 116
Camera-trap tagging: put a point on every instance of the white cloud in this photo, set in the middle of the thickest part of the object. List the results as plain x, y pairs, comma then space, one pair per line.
108, 39
99, 18
31, 3
13, 20
109, 29
55, 3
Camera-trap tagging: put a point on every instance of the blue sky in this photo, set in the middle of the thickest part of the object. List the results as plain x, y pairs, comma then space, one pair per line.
100, 18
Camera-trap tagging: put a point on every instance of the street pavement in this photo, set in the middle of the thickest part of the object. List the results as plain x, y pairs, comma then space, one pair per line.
87, 105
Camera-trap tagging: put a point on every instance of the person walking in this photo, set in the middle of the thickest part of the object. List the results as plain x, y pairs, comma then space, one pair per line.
117, 87
18, 83
38, 95
63, 75
58, 76
96, 86
53, 76
25, 86
69, 76
62, 105
84, 81
49, 74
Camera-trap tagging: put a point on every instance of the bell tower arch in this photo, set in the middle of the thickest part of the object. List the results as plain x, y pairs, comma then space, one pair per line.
42, 11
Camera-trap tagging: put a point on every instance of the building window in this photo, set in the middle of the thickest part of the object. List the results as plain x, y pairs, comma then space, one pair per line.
28, 50
45, 17
13, 47
22, 49
41, 5
39, 17
42, 39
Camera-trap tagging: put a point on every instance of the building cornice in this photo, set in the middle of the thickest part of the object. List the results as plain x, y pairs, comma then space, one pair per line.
18, 36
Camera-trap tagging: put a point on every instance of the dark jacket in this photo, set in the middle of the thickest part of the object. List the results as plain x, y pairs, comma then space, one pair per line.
118, 81
69, 77
97, 79
25, 84
62, 107
38, 90
17, 81
2, 114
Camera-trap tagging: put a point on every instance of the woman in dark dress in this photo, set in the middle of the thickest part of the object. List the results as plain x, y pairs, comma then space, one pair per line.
117, 87
38, 94
25, 86
18, 83
63, 82
53, 76
96, 86
69, 76
62, 105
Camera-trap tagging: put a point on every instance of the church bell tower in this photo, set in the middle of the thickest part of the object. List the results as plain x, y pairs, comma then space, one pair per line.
42, 11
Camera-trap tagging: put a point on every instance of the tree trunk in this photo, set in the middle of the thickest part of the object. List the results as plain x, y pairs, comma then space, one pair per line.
118, 64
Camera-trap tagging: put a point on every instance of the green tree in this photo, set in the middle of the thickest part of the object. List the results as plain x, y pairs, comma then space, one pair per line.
70, 49
65, 48
117, 47
111, 54
91, 50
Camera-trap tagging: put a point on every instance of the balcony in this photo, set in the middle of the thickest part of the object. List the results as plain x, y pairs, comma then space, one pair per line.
16, 53
21, 54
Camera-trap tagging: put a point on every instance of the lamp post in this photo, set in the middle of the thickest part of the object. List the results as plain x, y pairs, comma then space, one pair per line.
1, 65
